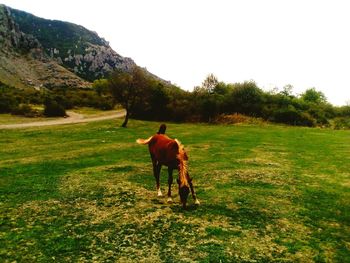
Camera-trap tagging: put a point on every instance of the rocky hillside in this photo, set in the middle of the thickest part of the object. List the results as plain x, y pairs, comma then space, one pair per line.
47, 53
76, 48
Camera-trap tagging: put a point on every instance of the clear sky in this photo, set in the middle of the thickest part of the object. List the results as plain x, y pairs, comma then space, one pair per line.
305, 43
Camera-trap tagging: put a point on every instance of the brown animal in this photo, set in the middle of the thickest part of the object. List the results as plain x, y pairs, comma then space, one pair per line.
171, 153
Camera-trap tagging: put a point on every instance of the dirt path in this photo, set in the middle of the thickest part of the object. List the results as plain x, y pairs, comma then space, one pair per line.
73, 118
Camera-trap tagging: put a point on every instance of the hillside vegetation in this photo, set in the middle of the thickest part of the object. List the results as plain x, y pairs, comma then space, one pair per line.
42, 53
60, 60
73, 46
86, 193
146, 98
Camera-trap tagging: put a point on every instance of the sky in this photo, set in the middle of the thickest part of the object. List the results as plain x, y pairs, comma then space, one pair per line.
304, 43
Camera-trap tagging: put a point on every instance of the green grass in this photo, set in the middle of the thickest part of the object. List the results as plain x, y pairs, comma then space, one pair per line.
13, 119
85, 192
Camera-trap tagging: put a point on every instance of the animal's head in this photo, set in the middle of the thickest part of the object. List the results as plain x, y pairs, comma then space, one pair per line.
184, 191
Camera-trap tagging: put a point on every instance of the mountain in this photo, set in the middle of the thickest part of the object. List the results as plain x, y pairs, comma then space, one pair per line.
49, 53
73, 46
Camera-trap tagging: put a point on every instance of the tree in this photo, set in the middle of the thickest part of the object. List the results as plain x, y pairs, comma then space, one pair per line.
246, 98
222, 88
158, 102
287, 90
100, 86
210, 83
312, 95
128, 89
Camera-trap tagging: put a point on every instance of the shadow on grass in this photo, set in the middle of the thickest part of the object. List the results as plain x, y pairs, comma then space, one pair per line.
120, 169
178, 209
246, 217
328, 211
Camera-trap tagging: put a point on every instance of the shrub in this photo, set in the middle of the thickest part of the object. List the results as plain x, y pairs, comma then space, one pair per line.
237, 118
7, 103
8, 99
290, 115
342, 123
26, 110
246, 98
53, 108
105, 104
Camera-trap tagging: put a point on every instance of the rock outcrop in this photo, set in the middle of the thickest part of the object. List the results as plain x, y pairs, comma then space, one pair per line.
23, 62
50, 53
76, 48
95, 62
10, 35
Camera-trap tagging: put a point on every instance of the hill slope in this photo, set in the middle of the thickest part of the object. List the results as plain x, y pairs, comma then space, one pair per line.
37, 52
73, 46
23, 62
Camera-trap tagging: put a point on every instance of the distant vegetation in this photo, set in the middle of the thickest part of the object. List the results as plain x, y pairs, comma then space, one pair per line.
213, 100
54, 102
145, 97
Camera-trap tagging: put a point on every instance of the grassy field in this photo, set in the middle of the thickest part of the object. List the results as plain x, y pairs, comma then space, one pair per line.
86, 193
13, 119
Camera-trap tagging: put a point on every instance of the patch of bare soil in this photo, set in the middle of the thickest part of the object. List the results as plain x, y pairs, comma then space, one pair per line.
73, 117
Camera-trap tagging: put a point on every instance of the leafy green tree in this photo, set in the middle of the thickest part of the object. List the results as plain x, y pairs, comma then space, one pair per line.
100, 86
158, 101
129, 89
246, 98
103, 100
154, 105
181, 105
314, 96
222, 88
210, 107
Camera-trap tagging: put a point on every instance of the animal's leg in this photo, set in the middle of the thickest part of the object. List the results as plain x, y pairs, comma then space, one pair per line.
170, 182
196, 201
156, 172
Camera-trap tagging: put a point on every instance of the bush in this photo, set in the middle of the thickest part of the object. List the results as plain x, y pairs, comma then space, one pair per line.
8, 99
237, 118
105, 103
25, 110
53, 108
342, 123
7, 103
290, 115
246, 98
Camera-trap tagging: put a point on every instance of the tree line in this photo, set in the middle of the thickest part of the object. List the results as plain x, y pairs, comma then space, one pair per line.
30, 102
144, 96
